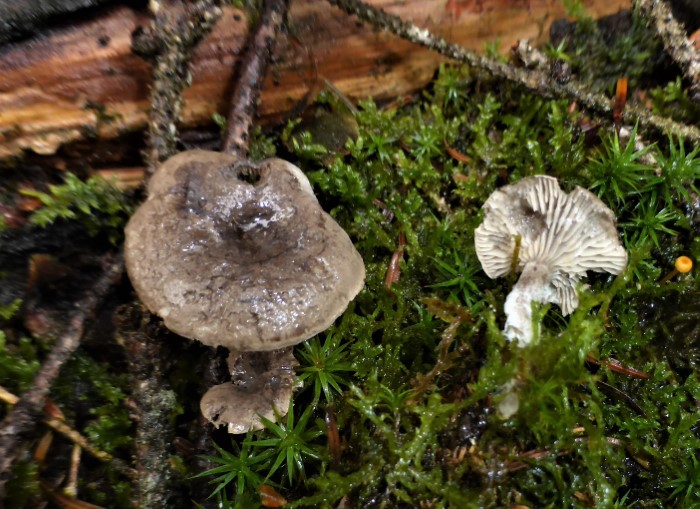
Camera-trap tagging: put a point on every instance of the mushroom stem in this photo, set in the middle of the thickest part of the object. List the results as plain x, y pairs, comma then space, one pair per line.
261, 385
533, 286
683, 265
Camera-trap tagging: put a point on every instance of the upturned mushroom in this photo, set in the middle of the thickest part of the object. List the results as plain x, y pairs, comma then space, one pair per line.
241, 255
552, 238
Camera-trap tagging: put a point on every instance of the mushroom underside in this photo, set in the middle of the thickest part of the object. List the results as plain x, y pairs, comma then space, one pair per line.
261, 384
556, 238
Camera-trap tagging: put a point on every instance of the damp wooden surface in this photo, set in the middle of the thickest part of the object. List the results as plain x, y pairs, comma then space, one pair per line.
82, 82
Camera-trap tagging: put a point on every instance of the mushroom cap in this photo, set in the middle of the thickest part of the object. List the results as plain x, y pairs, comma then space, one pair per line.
568, 233
239, 254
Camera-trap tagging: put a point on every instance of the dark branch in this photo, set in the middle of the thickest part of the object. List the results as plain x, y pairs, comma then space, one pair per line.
245, 99
154, 403
171, 41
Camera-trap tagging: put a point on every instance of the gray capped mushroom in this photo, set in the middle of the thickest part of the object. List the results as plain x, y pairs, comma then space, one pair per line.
560, 237
241, 255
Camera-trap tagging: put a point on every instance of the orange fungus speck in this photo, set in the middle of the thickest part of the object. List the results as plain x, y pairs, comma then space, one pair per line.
684, 264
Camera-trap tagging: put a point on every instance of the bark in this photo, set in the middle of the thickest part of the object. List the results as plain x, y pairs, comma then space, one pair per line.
83, 82
21, 18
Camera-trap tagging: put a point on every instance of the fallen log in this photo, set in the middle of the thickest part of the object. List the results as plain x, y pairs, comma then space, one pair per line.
84, 83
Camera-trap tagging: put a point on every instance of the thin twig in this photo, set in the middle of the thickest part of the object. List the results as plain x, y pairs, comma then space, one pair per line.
61, 427
71, 488
530, 79
675, 40
23, 416
171, 40
249, 83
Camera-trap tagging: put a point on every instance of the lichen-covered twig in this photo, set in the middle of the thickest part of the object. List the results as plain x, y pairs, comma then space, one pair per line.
154, 404
24, 415
170, 41
675, 39
245, 98
532, 80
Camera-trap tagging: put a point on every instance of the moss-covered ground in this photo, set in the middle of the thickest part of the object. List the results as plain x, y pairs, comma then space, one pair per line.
400, 401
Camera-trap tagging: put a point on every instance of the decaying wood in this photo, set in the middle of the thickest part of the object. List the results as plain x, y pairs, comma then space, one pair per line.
22, 18
84, 82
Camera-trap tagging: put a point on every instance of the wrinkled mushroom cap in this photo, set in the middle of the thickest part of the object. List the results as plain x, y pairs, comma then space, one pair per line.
239, 254
568, 234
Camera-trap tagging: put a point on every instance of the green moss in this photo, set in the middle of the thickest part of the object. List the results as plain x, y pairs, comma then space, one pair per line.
261, 146
18, 363
96, 203
18, 354
23, 488
100, 404
672, 100
9, 310
416, 373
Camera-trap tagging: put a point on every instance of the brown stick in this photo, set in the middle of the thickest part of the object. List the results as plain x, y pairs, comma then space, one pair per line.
24, 415
675, 40
249, 84
530, 79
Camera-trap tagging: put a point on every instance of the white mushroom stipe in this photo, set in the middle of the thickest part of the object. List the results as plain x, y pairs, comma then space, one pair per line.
561, 237
509, 403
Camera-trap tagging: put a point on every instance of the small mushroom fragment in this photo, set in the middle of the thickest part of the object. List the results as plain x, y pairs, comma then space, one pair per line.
556, 238
241, 255
262, 384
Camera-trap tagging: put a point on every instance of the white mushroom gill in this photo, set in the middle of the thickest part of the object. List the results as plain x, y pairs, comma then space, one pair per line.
561, 237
